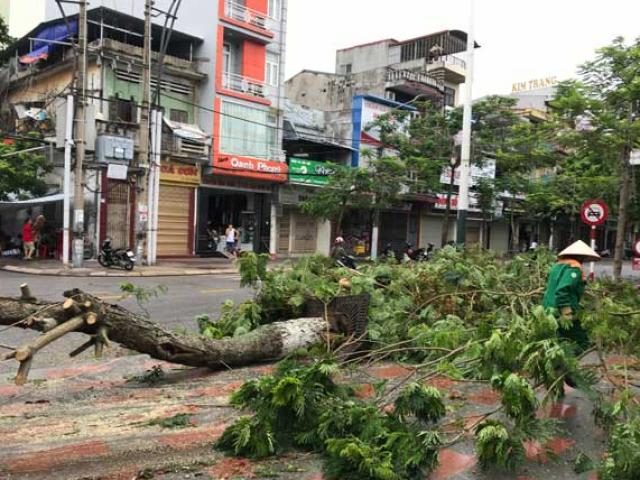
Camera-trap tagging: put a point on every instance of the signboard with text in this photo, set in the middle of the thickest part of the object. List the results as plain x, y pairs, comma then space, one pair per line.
309, 172
251, 168
172, 172
487, 170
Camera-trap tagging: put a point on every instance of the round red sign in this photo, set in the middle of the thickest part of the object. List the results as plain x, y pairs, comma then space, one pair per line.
594, 212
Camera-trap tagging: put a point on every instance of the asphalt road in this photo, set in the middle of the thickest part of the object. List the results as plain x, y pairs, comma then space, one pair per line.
186, 297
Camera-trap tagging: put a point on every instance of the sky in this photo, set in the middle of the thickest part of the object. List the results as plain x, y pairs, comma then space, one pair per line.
520, 40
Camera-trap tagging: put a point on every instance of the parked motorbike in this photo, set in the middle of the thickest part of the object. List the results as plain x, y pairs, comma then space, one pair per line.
388, 253
418, 254
119, 257
213, 239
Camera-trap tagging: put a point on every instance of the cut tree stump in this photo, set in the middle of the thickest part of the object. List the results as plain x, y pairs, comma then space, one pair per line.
132, 331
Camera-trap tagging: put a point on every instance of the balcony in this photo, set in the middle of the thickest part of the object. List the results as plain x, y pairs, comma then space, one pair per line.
407, 84
449, 67
244, 85
251, 18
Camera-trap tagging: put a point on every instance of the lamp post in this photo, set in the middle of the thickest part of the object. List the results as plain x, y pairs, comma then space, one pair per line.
465, 157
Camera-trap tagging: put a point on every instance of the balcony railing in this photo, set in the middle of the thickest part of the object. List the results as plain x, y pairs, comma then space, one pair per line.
239, 12
451, 60
394, 75
245, 85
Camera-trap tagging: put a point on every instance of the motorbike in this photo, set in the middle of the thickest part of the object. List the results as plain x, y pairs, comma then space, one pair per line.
213, 240
347, 262
388, 253
119, 257
418, 254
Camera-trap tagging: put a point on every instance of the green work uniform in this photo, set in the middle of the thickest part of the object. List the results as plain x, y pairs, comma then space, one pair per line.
565, 287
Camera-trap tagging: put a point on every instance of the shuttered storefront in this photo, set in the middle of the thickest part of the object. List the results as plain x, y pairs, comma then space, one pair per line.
305, 233
174, 221
176, 209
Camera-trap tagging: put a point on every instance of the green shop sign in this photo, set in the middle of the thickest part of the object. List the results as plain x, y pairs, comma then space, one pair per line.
310, 172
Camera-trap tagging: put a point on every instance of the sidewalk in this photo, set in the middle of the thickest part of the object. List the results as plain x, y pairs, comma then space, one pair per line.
91, 268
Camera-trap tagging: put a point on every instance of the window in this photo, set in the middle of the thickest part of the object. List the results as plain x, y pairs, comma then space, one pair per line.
274, 9
272, 75
123, 110
181, 116
245, 131
449, 97
346, 69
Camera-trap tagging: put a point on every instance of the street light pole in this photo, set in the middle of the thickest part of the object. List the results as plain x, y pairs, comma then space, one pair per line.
465, 157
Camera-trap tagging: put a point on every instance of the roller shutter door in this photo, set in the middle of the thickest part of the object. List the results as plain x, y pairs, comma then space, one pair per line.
174, 221
305, 234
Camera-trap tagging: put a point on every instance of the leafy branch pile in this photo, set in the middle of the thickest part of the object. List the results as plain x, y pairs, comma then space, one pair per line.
464, 315
302, 406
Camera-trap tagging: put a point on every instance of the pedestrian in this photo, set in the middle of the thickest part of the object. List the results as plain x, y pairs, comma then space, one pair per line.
230, 237
565, 287
27, 238
38, 226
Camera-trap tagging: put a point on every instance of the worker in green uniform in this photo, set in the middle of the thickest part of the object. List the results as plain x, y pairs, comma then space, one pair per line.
565, 287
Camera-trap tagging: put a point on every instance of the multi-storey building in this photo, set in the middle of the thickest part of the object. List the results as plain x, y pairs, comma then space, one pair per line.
40, 74
234, 62
373, 79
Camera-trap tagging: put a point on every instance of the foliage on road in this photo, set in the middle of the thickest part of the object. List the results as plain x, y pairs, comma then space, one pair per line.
466, 315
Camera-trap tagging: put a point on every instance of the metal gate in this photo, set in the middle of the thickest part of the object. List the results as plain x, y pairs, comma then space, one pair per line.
118, 214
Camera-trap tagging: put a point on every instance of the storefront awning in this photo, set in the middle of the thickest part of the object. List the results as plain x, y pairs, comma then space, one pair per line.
58, 197
187, 130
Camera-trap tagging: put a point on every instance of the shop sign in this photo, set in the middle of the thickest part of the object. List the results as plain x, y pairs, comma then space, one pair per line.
309, 172
180, 173
251, 168
441, 203
486, 170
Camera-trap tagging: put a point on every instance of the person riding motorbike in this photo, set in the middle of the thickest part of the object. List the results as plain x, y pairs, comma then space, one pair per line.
339, 253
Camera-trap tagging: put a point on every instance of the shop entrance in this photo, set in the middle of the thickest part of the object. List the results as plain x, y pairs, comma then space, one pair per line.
248, 212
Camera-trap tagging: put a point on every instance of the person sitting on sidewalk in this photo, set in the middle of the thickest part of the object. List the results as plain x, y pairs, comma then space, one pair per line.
27, 239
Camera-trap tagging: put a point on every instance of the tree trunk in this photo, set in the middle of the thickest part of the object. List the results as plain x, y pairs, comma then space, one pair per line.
447, 212
515, 229
269, 342
625, 187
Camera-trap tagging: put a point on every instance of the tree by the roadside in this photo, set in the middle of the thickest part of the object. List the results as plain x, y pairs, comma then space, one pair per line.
5, 38
347, 188
597, 121
21, 170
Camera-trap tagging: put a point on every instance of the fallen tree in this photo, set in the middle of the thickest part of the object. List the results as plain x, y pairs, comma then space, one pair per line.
106, 323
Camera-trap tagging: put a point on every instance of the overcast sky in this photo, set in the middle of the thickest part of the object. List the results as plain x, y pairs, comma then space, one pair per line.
520, 39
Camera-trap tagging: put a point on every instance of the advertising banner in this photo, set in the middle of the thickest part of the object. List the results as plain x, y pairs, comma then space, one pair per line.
309, 172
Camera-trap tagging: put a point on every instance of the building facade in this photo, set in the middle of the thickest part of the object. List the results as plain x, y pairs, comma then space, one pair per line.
373, 79
222, 98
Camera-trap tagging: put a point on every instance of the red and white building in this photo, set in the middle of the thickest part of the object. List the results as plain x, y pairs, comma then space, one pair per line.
248, 163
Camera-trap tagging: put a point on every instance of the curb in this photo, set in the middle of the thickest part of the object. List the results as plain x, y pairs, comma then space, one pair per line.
61, 272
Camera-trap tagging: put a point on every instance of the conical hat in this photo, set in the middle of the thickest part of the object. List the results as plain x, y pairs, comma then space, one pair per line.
579, 249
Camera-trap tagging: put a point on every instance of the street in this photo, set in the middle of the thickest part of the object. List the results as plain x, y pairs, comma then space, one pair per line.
185, 298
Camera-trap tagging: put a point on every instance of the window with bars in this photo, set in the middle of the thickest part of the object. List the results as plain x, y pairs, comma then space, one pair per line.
181, 116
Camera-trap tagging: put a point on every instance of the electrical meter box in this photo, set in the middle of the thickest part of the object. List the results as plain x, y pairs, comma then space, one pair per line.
114, 149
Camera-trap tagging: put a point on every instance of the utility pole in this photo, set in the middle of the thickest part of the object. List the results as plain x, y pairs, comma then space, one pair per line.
142, 210
80, 121
465, 157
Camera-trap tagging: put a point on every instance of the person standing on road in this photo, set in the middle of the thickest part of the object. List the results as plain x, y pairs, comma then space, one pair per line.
565, 287
27, 238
